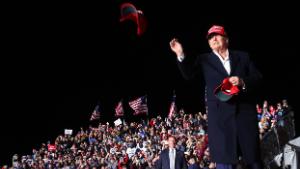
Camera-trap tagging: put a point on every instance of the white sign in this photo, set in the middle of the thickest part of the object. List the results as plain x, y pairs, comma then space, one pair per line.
68, 131
118, 122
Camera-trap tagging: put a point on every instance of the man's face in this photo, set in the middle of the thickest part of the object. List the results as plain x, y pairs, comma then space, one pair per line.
217, 42
171, 142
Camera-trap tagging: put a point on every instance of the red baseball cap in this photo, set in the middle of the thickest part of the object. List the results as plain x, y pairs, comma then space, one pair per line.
216, 29
226, 90
129, 12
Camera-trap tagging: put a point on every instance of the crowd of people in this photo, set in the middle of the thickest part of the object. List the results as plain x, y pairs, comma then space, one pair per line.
136, 144
269, 116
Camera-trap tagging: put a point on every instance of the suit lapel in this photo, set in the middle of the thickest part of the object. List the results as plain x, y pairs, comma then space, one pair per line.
176, 159
234, 60
168, 161
215, 62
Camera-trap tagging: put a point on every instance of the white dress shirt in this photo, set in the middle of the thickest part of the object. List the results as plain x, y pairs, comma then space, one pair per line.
225, 61
172, 156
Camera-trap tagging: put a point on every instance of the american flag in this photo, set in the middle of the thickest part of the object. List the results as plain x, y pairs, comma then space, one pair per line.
95, 114
173, 107
139, 105
119, 109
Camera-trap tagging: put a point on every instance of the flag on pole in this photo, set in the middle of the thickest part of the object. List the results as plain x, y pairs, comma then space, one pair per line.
139, 105
96, 113
173, 107
119, 110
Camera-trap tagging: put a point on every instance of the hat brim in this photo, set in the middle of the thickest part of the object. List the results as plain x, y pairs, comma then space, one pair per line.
225, 91
215, 33
223, 96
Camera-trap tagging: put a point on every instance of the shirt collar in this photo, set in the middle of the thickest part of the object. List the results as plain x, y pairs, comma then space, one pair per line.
172, 149
221, 58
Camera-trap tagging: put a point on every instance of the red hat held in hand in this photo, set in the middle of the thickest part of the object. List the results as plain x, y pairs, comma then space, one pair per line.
226, 90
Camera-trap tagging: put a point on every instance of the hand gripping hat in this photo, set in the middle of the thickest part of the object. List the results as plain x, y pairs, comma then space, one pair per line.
129, 12
226, 90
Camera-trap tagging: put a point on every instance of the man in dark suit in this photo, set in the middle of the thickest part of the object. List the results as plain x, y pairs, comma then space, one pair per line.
232, 124
170, 158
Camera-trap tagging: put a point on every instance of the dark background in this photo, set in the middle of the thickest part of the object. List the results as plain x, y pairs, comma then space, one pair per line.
62, 59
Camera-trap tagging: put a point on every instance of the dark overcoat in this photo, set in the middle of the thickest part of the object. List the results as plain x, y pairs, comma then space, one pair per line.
232, 125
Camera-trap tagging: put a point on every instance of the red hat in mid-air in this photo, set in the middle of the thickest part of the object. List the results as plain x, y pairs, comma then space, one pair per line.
129, 11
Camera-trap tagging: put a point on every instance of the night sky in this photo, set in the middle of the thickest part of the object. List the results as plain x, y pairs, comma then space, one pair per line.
64, 58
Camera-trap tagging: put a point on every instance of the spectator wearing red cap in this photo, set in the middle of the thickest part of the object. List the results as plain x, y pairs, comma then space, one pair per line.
233, 130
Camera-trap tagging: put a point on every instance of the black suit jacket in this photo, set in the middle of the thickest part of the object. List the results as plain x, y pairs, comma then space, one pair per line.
164, 160
232, 125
